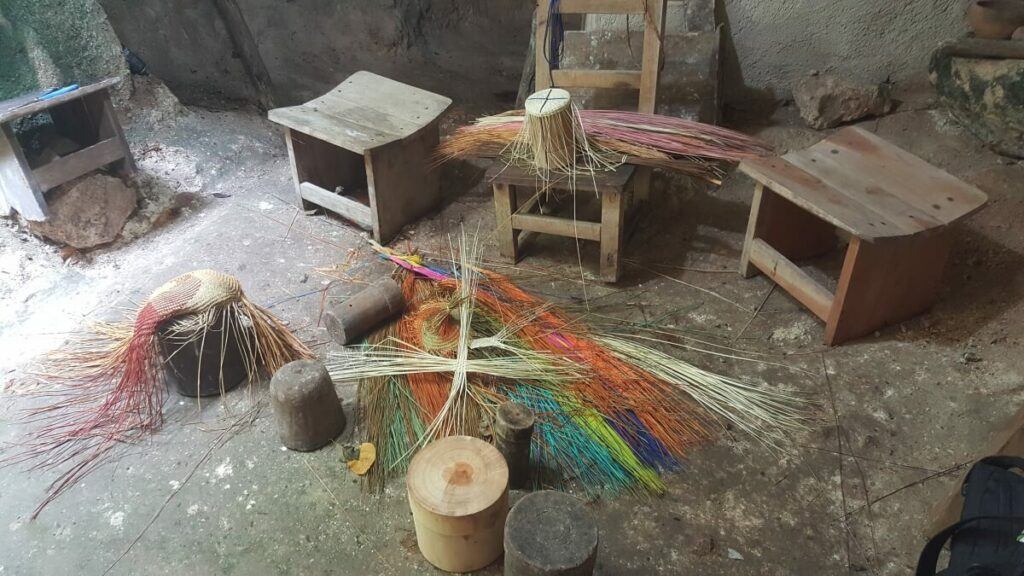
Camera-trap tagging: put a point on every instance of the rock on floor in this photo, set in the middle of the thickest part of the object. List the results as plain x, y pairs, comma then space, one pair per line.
87, 212
826, 101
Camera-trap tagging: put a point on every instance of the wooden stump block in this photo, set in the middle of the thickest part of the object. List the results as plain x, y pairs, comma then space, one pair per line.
306, 407
353, 318
550, 534
513, 431
458, 492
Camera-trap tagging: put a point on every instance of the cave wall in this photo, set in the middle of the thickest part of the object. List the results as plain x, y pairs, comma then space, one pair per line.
50, 43
471, 51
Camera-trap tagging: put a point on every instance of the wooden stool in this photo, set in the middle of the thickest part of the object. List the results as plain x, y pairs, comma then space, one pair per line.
352, 319
895, 209
513, 434
458, 492
550, 534
305, 405
363, 151
84, 116
517, 194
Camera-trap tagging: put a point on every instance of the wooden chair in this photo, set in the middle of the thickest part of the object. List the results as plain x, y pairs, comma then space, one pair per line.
895, 209
512, 210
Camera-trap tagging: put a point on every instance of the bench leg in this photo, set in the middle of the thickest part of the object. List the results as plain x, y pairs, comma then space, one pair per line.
885, 282
789, 229
504, 206
612, 216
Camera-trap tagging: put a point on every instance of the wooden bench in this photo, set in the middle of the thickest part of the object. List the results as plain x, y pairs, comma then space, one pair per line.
894, 208
84, 116
363, 151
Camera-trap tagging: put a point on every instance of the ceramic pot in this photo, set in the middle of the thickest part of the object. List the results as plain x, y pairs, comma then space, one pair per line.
995, 19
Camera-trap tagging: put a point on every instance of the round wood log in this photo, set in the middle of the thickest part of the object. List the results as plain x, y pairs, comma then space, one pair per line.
458, 493
353, 318
550, 534
513, 431
204, 366
305, 405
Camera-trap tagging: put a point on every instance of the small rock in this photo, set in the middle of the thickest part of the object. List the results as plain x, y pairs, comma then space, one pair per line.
1018, 34
87, 212
734, 555
826, 101
970, 357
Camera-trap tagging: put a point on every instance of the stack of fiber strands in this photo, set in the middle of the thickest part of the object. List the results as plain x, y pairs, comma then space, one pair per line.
612, 414
676, 144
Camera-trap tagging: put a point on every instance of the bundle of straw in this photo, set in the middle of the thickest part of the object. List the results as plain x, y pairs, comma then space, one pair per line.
110, 385
612, 414
613, 137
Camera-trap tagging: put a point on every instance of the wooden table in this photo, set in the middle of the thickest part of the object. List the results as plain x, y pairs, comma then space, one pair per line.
84, 116
895, 209
364, 149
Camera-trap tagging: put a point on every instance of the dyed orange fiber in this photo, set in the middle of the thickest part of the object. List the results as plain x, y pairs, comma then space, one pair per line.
613, 386
430, 390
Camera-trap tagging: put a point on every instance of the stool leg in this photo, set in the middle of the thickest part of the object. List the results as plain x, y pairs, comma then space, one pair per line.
886, 282
101, 113
612, 215
789, 229
504, 206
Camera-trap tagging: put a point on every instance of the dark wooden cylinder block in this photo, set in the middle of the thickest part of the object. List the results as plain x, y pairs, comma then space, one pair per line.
550, 534
353, 318
513, 431
203, 366
305, 405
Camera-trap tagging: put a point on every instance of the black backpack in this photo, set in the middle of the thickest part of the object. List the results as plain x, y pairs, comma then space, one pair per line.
988, 540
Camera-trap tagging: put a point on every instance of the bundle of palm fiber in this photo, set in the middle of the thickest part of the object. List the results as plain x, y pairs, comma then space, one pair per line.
612, 414
551, 135
108, 388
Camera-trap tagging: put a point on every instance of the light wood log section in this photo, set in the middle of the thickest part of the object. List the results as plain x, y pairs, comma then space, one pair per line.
458, 493
1007, 441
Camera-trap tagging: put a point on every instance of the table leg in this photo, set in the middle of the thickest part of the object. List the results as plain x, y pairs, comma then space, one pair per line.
612, 215
17, 184
885, 282
504, 206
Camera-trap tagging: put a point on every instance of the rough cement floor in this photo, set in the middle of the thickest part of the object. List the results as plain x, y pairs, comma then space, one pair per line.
902, 406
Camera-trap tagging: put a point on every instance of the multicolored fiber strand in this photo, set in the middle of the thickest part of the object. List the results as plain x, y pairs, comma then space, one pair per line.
110, 385
612, 414
666, 142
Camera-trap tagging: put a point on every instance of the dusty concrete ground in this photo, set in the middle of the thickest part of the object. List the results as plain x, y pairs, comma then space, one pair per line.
897, 409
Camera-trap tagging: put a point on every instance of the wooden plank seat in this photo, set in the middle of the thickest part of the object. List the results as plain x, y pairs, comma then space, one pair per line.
516, 195
84, 116
363, 151
894, 208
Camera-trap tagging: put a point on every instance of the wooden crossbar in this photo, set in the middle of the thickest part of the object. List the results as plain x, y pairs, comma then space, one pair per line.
785, 273
601, 6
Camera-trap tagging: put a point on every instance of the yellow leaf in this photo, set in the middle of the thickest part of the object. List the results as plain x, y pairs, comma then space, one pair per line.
367, 456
